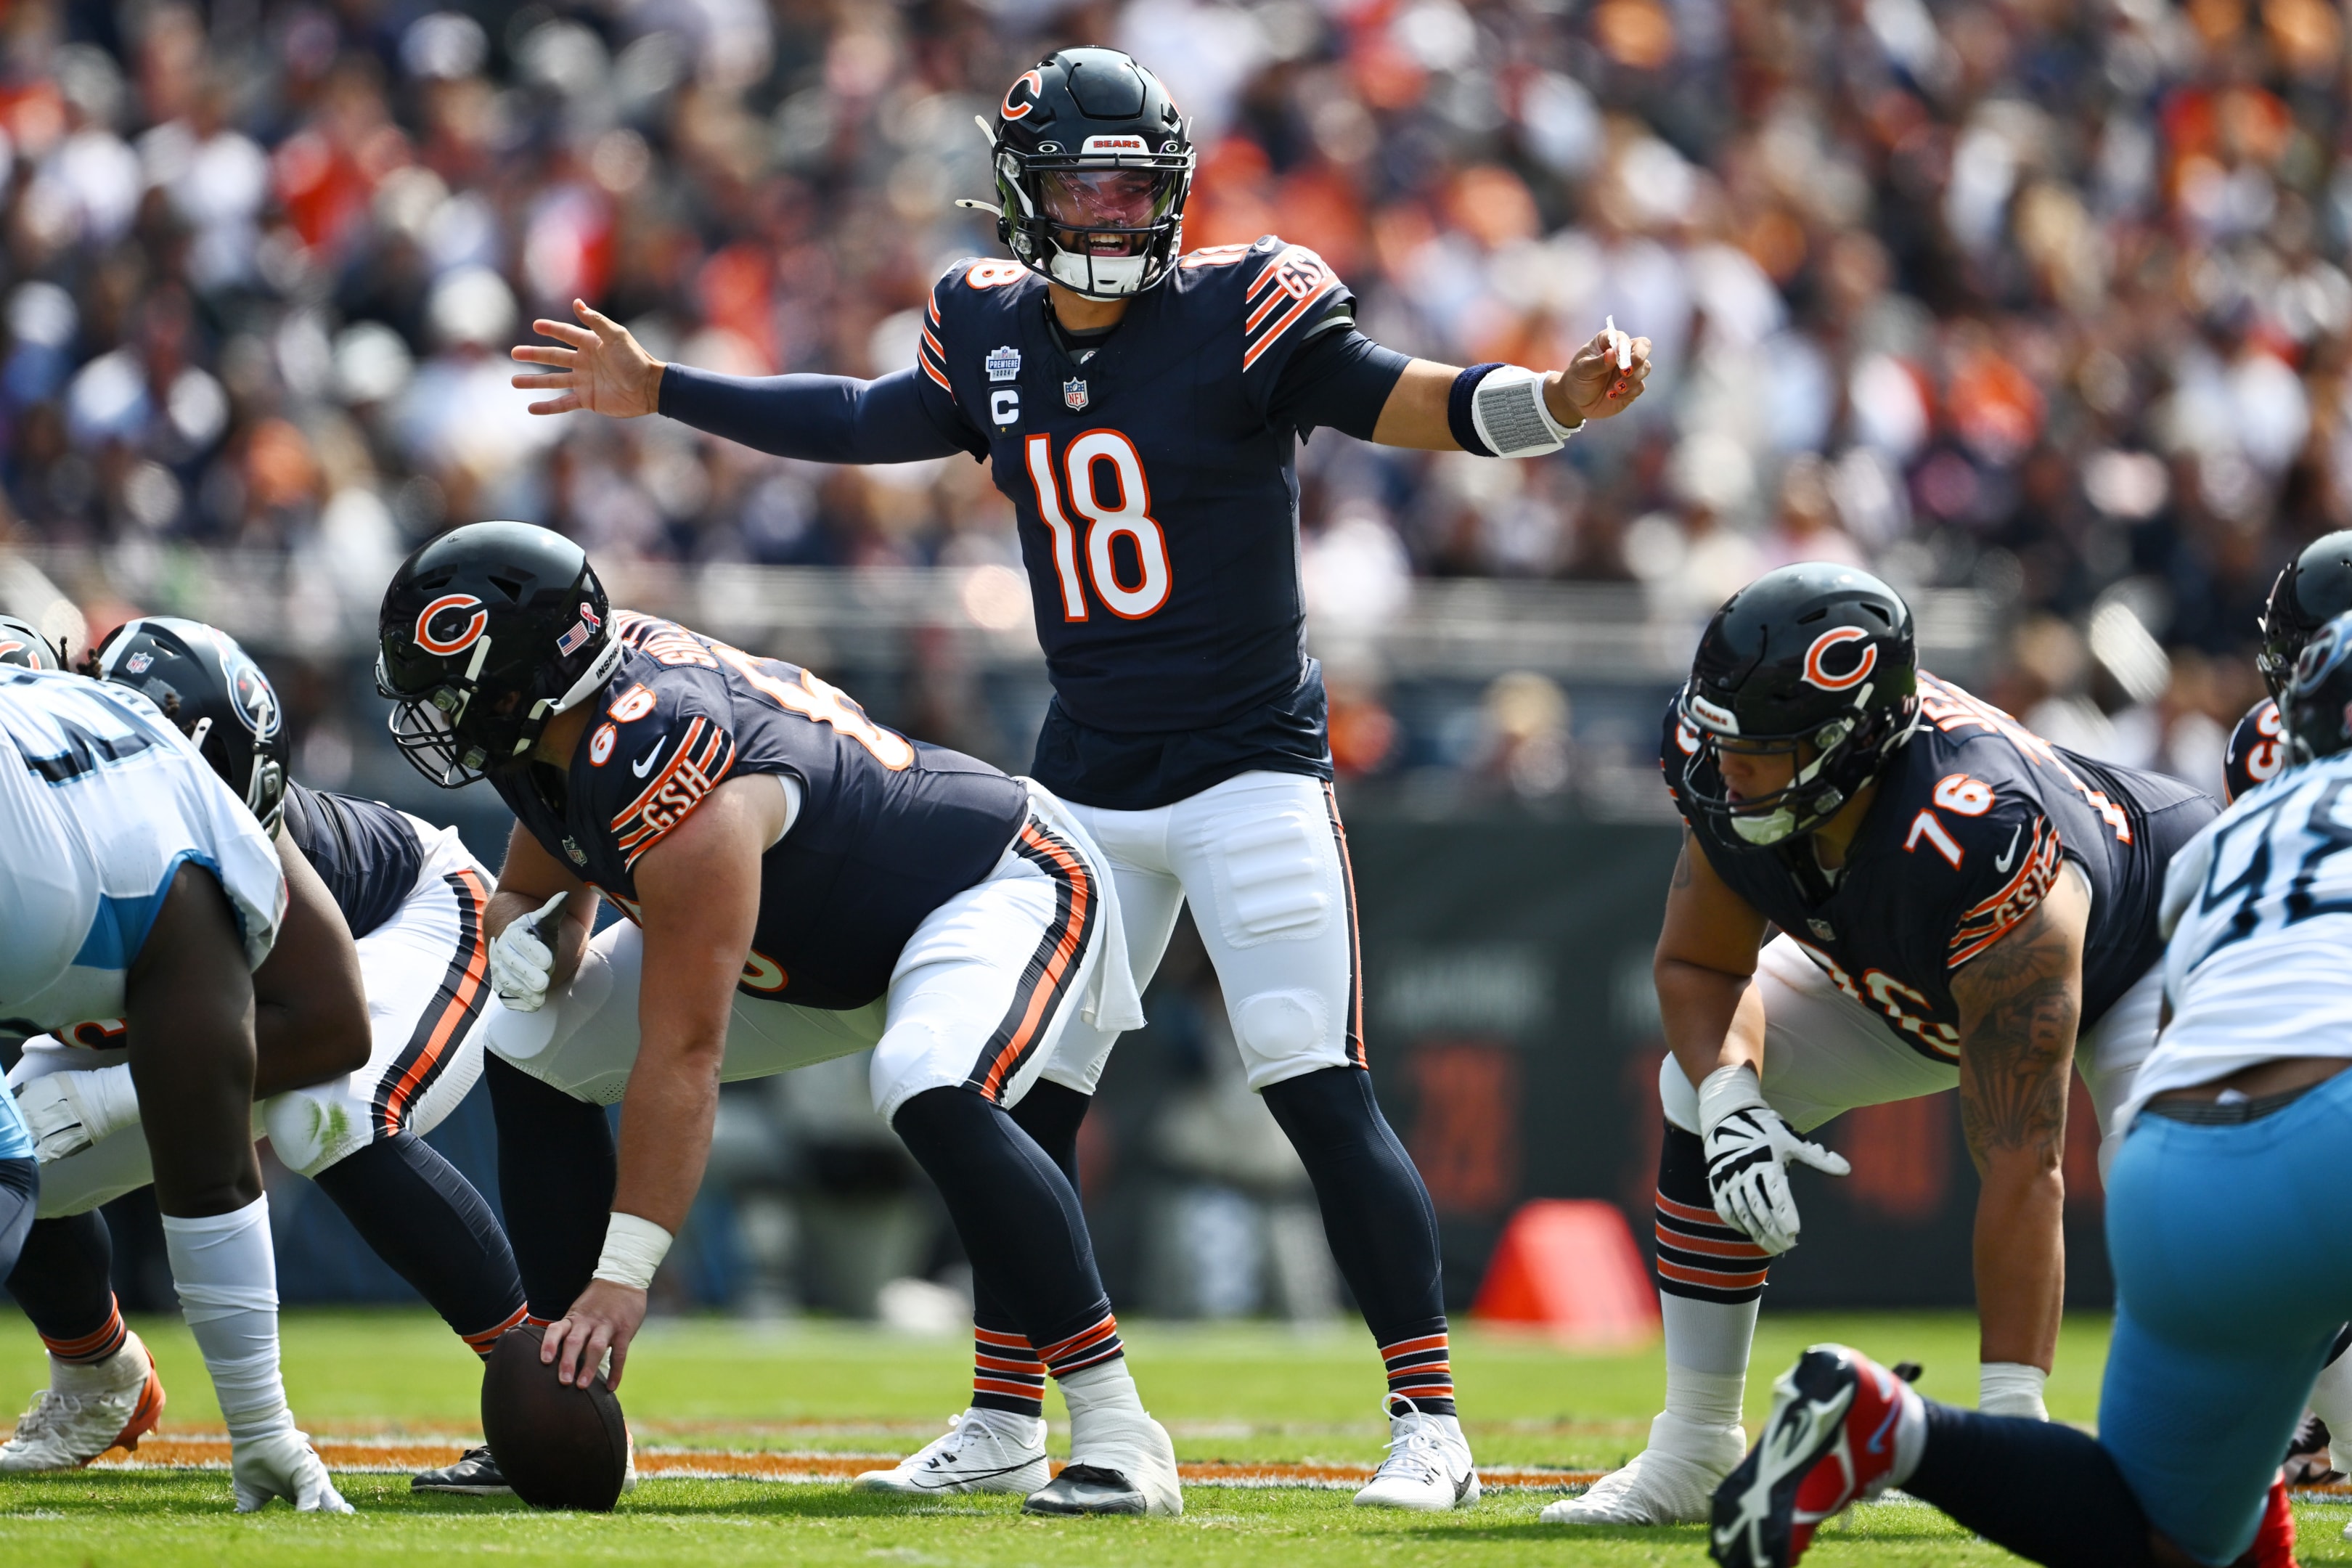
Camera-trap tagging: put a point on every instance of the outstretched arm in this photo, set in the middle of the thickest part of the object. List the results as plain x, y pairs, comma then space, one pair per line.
600, 366
1593, 386
2020, 1003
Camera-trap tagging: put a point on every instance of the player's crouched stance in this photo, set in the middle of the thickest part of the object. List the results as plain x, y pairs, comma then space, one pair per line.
133, 885
800, 884
2227, 1302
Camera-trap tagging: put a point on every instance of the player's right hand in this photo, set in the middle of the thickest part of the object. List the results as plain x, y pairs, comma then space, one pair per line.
1749, 1146
596, 366
522, 963
282, 1464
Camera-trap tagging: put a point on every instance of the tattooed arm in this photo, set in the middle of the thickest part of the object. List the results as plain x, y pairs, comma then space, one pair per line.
2021, 1001
1706, 971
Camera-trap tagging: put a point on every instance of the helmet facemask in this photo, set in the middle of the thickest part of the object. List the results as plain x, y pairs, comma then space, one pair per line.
1845, 754
1103, 226
453, 741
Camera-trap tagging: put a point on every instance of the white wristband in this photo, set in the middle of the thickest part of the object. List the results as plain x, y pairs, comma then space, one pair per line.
2011, 1388
1725, 1090
1506, 407
634, 1248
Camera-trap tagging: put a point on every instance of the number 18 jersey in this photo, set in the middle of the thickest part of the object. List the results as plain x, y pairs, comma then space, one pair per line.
1157, 492
2259, 912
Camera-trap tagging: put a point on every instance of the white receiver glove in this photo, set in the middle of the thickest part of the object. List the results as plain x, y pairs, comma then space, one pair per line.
69, 1112
1748, 1148
282, 1464
522, 963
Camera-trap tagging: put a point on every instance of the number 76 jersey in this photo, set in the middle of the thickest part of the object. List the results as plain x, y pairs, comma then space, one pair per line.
1156, 490
887, 830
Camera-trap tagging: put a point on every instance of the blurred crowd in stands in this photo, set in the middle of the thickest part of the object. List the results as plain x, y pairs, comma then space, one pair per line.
2037, 296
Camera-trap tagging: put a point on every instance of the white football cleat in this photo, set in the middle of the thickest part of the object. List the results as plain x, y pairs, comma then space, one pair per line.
1428, 1468
982, 1451
1672, 1482
86, 1410
1121, 1461
282, 1464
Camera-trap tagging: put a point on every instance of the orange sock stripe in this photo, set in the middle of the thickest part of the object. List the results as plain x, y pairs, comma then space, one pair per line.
1747, 1251
1410, 1347
1696, 1215
1720, 1281
482, 1340
1019, 1368
1002, 1341
1008, 1390
1051, 1353
94, 1346
1101, 1353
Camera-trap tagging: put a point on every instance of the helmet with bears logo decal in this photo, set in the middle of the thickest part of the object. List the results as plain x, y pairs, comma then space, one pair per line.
486, 633
1093, 161
21, 644
2316, 706
213, 690
1814, 661
2314, 588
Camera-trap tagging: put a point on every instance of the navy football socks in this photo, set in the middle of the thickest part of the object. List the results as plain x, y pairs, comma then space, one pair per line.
557, 1168
1377, 1218
2043, 1490
419, 1213
64, 1281
1020, 1223
1006, 1372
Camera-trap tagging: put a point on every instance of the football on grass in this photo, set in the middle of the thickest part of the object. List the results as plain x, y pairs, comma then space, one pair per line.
558, 1447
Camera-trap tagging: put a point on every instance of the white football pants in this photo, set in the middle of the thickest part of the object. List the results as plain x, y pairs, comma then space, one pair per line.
1263, 860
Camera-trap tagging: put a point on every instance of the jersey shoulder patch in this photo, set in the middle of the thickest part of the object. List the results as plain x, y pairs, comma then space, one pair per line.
973, 281
2257, 750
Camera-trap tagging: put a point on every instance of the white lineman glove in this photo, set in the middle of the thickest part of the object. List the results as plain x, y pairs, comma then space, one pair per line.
1748, 1148
69, 1112
282, 1464
520, 963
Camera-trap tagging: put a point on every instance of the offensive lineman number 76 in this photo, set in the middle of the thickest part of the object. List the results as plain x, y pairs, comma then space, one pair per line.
1128, 513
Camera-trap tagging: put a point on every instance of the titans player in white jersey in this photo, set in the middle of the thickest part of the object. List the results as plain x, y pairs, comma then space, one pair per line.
134, 886
1142, 408
2233, 1266
410, 956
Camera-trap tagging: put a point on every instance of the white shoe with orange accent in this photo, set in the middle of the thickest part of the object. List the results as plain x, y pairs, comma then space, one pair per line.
983, 1451
86, 1410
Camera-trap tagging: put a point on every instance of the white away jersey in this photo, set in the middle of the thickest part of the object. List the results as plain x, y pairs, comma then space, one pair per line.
102, 800
2259, 909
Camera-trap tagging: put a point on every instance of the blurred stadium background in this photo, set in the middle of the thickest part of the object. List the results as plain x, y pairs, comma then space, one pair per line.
2036, 307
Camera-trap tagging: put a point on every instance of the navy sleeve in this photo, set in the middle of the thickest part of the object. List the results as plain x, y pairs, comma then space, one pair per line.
1337, 378
818, 419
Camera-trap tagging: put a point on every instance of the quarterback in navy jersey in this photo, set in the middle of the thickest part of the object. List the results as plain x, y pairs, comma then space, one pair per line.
800, 883
1956, 903
1142, 408
410, 958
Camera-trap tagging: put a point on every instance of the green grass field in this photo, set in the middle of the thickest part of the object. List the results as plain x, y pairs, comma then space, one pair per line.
1237, 1393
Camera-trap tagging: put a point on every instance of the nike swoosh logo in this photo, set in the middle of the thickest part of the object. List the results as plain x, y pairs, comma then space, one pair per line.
2011, 853
1461, 1487
1878, 1444
643, 764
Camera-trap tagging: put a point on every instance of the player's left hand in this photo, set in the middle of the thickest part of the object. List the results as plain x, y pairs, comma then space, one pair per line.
1596, 385
606, 1317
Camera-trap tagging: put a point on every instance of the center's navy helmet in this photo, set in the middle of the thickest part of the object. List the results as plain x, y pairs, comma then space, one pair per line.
1813, 655
210, 688
486, 633
1081, 116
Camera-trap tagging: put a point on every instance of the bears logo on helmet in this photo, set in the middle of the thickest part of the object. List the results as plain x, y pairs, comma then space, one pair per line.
1817, 668
458, 630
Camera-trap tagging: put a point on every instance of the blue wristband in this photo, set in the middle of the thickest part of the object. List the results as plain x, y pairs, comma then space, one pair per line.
1457, 409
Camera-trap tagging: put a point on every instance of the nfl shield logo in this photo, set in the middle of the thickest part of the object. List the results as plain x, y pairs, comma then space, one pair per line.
1074, 392
138, 662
